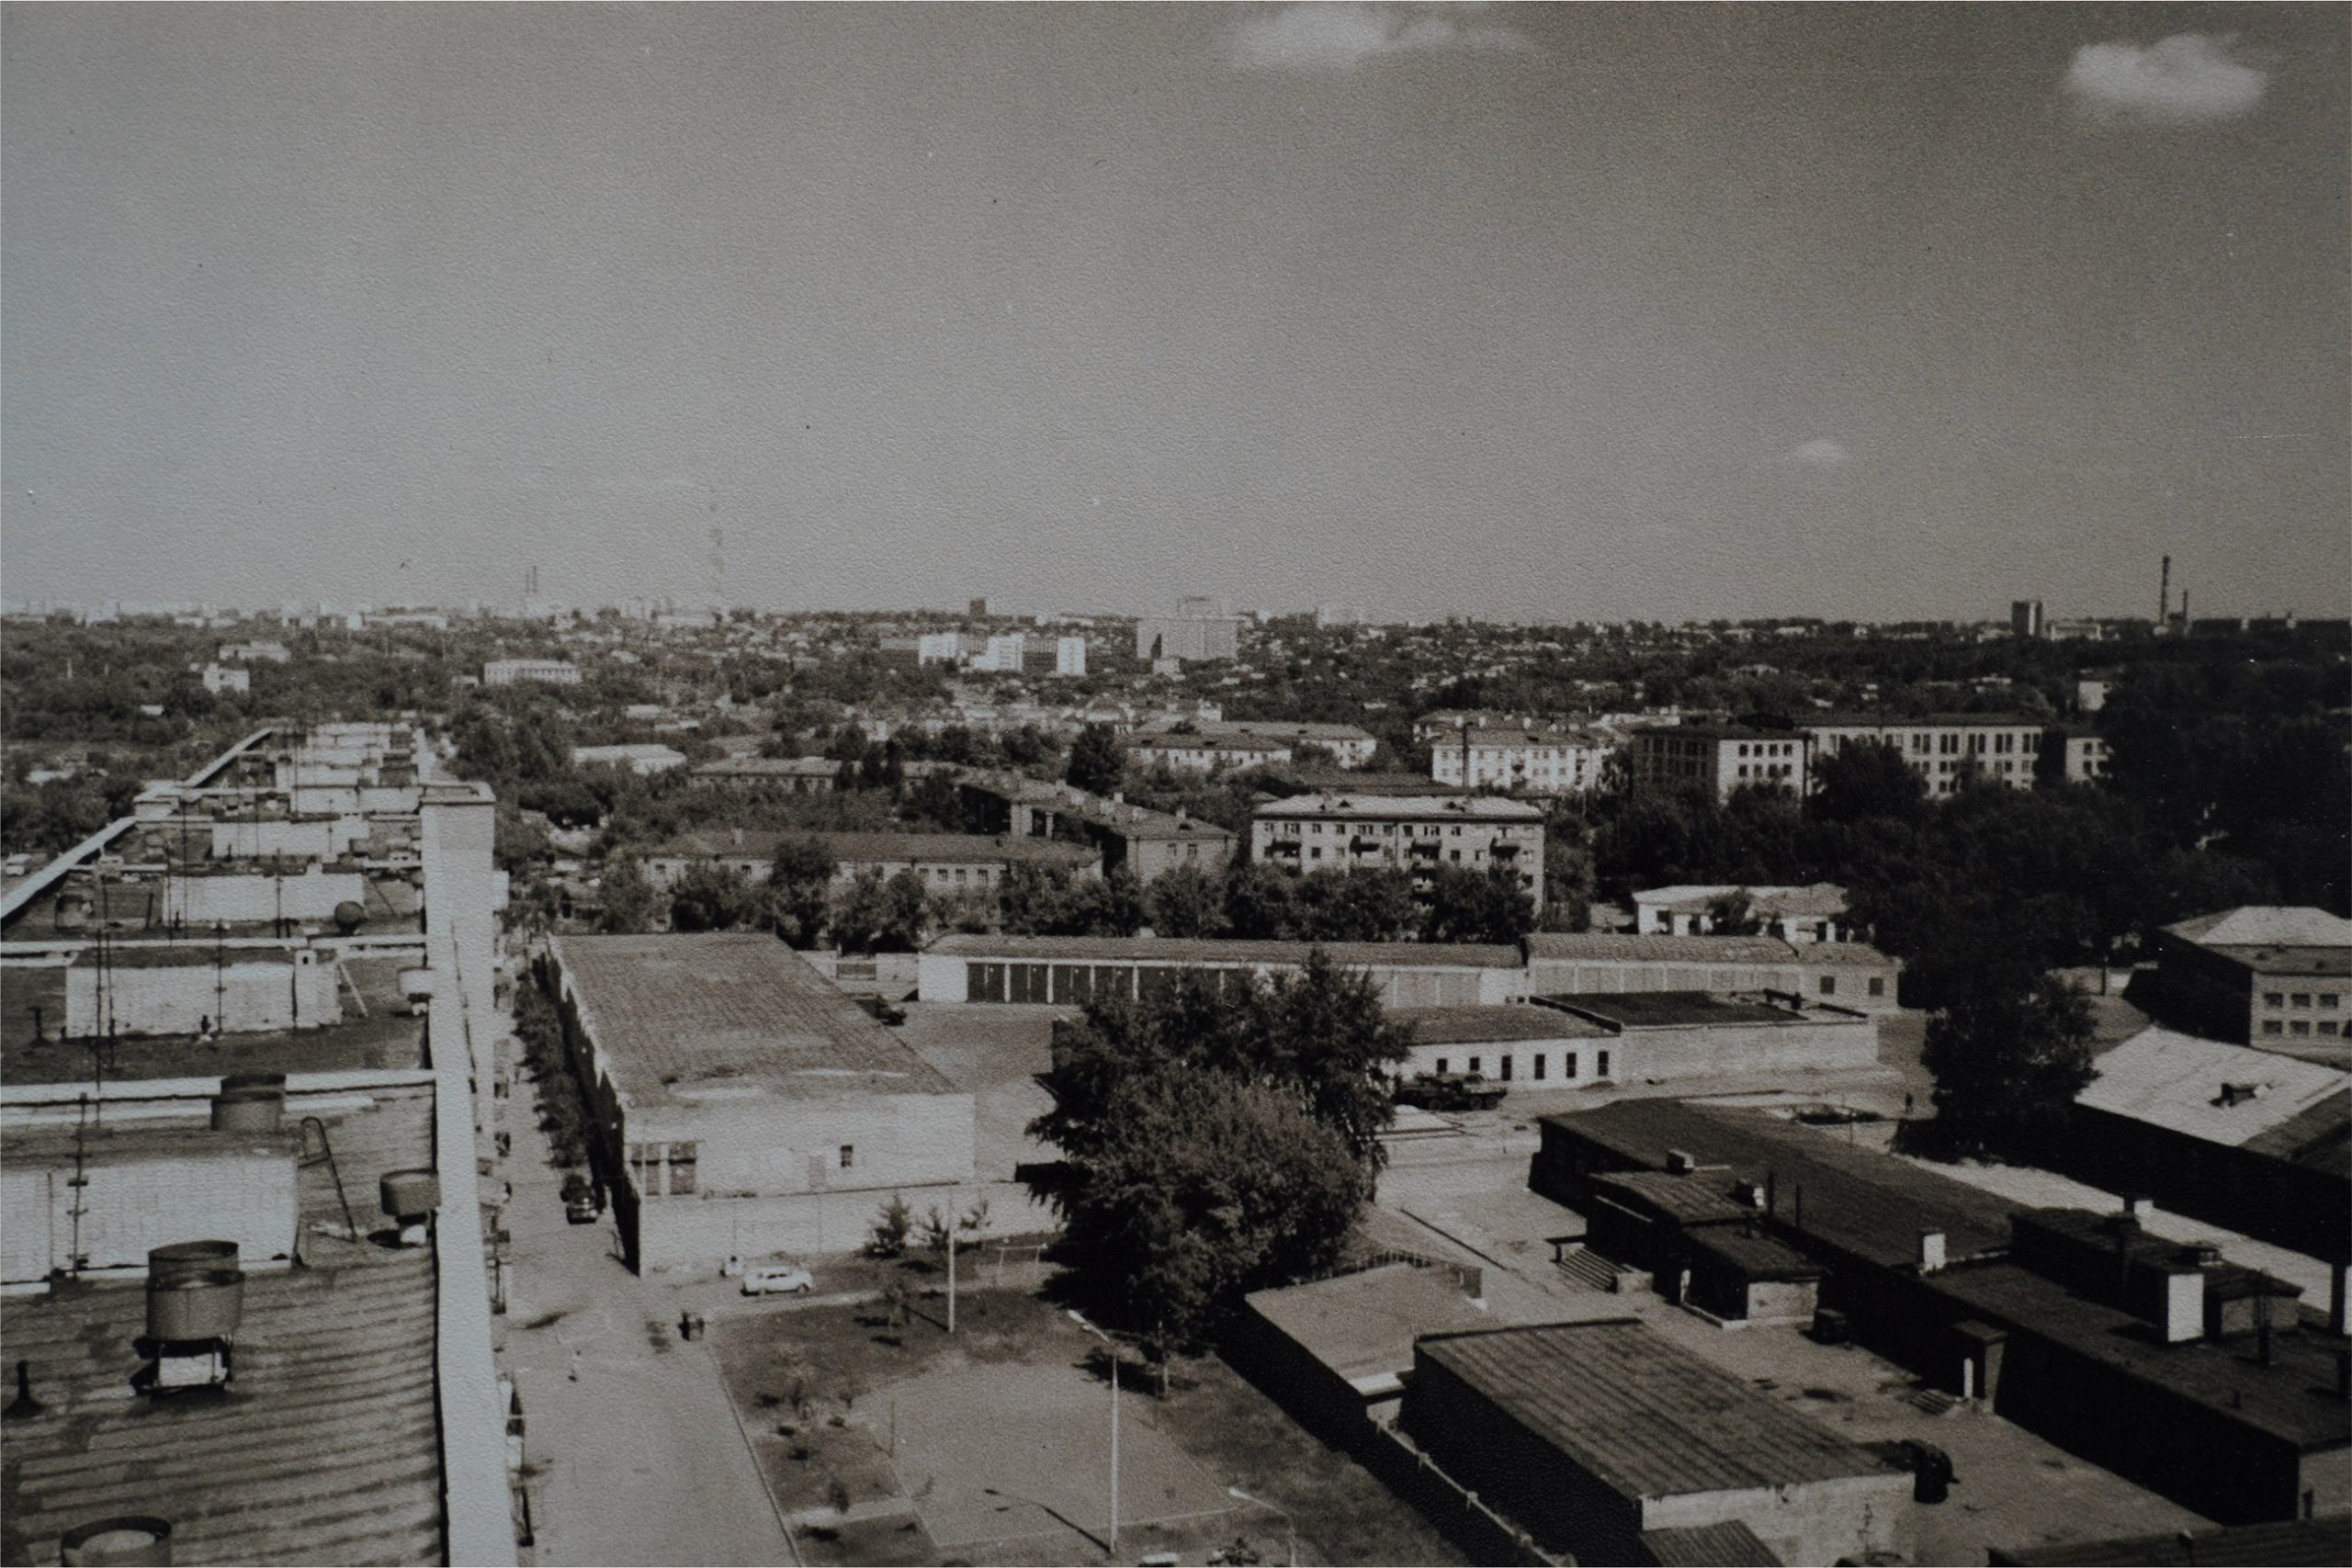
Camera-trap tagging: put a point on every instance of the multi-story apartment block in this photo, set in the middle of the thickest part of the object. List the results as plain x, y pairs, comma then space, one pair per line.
2079, 755
1348, 746
1721, 757
545, 672
1413, 833
1208, 753
1069, 656
1188, 639
1528, 761
2002, 748
2258, 976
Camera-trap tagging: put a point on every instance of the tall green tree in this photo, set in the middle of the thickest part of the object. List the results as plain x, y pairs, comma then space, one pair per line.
627, 903
800, 889
1186, 901
1218, 1138
1469, 905
1096, 763
2009, 1054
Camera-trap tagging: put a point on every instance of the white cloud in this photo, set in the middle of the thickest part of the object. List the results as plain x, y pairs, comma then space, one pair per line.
1820, 453
1345, 34
2183, 79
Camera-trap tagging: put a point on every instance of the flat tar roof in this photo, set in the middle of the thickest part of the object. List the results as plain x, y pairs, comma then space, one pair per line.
1364, 1326
1207, 949
1641, 1413
1671, 1010
1477, 1025
680, 1016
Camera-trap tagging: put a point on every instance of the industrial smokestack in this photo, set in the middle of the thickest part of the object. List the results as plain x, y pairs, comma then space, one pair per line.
2164, 595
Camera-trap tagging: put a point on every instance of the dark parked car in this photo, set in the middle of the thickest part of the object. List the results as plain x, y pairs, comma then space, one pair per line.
1450, 1091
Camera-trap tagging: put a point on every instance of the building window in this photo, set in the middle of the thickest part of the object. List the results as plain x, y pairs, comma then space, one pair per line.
1538, 1063
2327, 1026
1568, 1065
2272, 1026
2302, 998
1830, 984
1600, 1064
2328, 999
2299, 1027
2274, 998
1474, 1066
1878, 984
849, 1155
1506, 1069
1442, 1063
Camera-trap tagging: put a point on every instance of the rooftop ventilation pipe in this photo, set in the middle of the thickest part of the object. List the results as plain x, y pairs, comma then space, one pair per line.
127, 1540
410, 1196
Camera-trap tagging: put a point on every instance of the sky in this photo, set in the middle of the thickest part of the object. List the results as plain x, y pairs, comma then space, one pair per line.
1544, 313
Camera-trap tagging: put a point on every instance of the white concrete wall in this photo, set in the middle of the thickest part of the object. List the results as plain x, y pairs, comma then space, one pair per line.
200, 901
299, 990
696, 1235
771, 1146
247, 1198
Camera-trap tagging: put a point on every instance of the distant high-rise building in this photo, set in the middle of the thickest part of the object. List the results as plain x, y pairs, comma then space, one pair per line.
2025, 618
979, 609
1069, 656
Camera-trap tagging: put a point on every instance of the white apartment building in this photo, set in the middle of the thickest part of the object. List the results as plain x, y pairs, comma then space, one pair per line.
1413, 833
545, 672
1527, 761
2001, 747
1069, 656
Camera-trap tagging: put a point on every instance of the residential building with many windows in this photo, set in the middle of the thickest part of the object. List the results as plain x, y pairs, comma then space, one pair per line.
1525, 761
2001, 747
1722, 758
1411, 833
2261, 974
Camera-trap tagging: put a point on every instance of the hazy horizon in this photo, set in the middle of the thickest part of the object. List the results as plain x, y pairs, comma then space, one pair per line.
1531, 313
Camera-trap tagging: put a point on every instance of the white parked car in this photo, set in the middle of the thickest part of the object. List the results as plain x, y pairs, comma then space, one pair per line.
774, 1279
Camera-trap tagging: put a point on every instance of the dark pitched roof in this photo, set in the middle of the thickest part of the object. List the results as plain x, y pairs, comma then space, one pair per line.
1660, 949
1699, 1198
1641, 1413
1857, 1199
672, 1012
327, 1449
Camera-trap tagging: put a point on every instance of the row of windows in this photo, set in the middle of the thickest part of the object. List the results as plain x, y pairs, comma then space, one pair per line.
1392, 829
1541, 1065
2301, 1026
1769, 770
1768, 749
2301, 999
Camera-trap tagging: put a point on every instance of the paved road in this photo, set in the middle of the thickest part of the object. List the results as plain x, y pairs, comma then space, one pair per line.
640, 1460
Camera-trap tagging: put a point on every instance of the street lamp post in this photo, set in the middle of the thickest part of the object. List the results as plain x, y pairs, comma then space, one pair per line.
1111, 1345
1289, 1524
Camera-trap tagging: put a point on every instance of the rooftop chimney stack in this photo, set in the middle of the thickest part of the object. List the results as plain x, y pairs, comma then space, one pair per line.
1931, 1252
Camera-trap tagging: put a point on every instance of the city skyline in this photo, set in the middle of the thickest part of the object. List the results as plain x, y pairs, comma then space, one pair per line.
1533, 314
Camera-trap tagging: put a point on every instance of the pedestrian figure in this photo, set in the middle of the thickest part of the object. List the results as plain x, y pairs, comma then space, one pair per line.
575, 1365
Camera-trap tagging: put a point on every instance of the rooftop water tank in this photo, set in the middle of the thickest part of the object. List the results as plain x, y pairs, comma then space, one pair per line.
254, 1080
195, 1304
349, 916
185, 1260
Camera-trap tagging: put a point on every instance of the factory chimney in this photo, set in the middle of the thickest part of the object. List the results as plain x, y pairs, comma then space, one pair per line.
2163, 596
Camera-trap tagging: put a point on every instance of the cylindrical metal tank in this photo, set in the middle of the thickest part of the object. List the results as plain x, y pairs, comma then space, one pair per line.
254, 1080
409, 1193
201, 1305
187, 1260
127, 1540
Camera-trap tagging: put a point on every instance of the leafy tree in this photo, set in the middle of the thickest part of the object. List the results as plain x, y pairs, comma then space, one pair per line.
2009, 1054
709, 898
877, 915
1185, 902
800, 889
1219, 1139
1467, 905
1373, 905
1734, 914
1096, 763
1263, 903
890, 1229
628, 901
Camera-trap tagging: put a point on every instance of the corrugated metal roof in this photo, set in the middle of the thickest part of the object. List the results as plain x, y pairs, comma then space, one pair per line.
1476, 1025
327, 1448
1660, 949
1205, 950
675, 1013
2296, 1543
1727, 1545
1699, 1198
1644, 1414
2175, 1082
